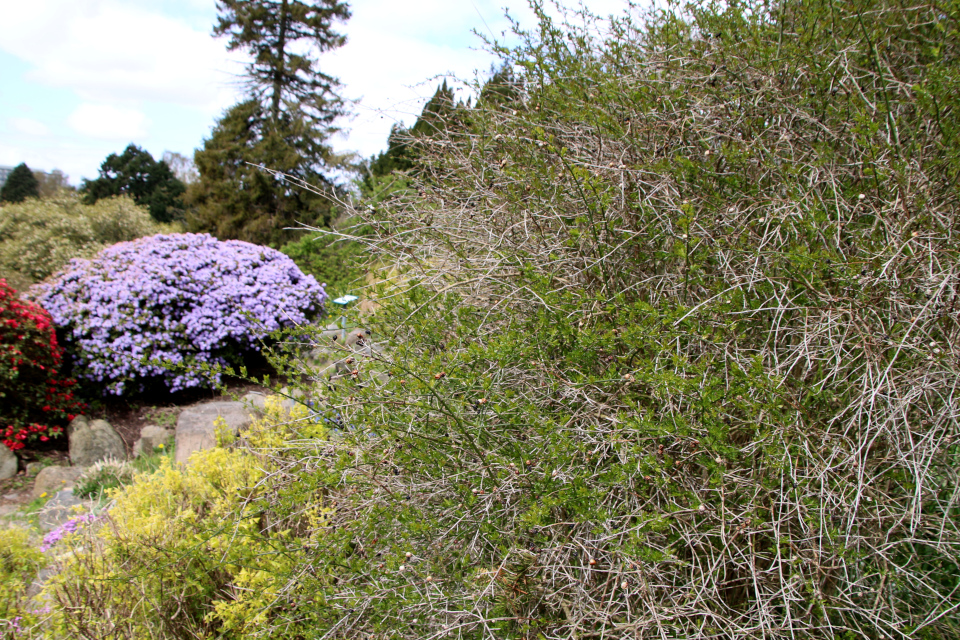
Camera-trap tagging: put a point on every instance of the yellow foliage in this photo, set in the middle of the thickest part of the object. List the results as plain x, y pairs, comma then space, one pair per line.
189, 551
19, 563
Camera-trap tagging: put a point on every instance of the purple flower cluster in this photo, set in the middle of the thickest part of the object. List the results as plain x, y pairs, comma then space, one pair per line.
70, 526
187, 299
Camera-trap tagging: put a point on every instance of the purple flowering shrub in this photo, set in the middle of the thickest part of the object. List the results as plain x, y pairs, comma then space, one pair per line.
182, 299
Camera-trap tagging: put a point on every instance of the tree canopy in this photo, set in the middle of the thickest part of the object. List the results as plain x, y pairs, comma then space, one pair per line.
269, 31
278, 136
251, 177
20, 185
135, 173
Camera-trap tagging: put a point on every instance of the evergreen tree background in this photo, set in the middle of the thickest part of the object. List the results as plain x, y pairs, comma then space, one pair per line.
20, 185
401, 154
279, 134
135, 173
248, 169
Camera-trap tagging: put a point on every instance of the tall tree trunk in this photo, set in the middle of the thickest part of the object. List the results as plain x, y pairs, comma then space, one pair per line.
279, 70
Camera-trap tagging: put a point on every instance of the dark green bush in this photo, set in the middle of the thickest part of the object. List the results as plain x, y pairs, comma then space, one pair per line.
333, 256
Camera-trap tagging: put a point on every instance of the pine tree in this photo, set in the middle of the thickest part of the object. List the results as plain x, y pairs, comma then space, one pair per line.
20, 185
268, 30
282, 128
248, 170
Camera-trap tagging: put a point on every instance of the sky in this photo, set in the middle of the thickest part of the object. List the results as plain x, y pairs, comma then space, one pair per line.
80, 79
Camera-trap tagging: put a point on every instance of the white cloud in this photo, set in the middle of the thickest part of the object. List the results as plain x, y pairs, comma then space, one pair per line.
29, 126
110, 51
108, 122
124, 58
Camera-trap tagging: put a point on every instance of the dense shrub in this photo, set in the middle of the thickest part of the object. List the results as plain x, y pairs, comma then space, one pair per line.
675, 353
35, 401
197, 553
335, 257
673, 350
19, 562
180, 299
39, 237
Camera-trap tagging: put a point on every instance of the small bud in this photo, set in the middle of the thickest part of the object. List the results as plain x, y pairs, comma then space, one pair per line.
861, 197
429, 578
401, 568
408, 554
624, 584
701, 508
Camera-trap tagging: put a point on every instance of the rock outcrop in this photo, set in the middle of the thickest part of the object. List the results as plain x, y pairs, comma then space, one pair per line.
196, 429
8, 463
151, 437
50, 480
92, 442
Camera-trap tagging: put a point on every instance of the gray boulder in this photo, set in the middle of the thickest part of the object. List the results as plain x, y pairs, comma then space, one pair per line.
50, 480
8, 463
151, 437
196, 429
92, 442
60, 508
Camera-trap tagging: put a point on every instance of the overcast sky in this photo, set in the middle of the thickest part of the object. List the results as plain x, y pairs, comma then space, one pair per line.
80, 79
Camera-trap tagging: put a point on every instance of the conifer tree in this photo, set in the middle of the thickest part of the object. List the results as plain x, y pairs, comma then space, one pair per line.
248, 170
281, 128
20, 185
268, 31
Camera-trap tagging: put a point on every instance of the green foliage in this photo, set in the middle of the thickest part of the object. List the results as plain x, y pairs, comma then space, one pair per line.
252, 173
670, 352
658, 328
270, 32
265, 167
136, 174
338, 261
19, 562
401, 155
39, 237
103, 476
20, 185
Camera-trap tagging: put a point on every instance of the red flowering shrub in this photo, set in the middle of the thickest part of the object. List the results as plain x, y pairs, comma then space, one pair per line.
35, 401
